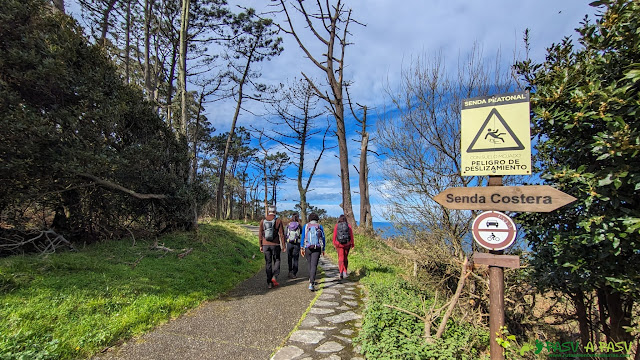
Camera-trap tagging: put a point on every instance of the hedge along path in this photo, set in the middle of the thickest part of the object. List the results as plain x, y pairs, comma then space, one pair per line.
249, 322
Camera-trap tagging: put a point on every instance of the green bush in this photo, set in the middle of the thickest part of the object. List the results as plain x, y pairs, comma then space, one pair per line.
391, 334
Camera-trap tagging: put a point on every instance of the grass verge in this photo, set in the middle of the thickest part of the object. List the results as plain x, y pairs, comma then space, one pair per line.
72, 305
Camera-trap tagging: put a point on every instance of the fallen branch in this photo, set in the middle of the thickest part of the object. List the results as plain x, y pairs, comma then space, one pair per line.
452, 303
132, 236
114, 186
135, 263
47, 241
161, 247
427, 319
187, 252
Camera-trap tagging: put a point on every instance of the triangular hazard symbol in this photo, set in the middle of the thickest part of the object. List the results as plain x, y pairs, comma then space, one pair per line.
494, 140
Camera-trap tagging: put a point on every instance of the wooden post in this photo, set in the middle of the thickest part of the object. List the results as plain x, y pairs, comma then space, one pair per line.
496, 296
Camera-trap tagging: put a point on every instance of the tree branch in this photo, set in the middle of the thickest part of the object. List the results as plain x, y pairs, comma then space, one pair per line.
113, 186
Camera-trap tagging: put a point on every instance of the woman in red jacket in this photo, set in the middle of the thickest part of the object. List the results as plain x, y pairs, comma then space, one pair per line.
343, 242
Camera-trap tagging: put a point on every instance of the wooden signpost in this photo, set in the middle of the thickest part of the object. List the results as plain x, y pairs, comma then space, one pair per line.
495, 141
529, 198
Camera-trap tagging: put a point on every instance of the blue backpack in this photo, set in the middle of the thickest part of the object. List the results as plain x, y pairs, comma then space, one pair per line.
314, 235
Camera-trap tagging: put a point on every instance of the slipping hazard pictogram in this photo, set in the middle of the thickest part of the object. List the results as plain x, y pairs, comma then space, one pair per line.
495, 135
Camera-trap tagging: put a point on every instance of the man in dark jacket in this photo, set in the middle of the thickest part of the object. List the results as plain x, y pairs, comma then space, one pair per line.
271, 237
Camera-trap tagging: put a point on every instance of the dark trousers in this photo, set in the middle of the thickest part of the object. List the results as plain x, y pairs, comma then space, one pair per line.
293, 254
312, 256
272, 258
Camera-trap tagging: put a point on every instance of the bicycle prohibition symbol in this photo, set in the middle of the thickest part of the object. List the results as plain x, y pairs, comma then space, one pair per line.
493, 230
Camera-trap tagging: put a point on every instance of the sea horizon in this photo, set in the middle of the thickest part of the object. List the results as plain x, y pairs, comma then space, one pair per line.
385, 229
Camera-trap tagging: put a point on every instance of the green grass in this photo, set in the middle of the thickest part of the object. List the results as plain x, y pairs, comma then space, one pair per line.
371, 259
71, 305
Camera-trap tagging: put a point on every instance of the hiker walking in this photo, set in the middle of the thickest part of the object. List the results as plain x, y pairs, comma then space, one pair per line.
293, 232
271, 236
312, 245
343, 242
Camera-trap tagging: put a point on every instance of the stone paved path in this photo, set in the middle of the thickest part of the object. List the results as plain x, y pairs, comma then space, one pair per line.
333, 321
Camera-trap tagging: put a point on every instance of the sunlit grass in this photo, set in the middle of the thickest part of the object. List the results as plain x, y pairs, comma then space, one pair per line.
371, 260
71, 305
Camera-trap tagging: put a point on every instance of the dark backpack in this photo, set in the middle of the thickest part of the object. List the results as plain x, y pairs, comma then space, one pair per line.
293, 232
269, 228
343, 233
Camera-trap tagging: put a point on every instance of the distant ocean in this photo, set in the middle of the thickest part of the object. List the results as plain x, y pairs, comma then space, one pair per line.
385, 229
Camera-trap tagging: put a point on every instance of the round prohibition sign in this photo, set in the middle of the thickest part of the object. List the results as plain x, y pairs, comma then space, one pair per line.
494, 230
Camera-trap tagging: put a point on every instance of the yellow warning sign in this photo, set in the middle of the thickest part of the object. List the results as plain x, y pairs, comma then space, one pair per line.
495, 135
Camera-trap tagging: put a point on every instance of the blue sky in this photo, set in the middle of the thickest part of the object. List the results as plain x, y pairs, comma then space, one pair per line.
394, 33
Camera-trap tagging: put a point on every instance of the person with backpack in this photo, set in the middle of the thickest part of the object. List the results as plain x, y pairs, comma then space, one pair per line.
293, 231
271, 237
312, 245
343, 242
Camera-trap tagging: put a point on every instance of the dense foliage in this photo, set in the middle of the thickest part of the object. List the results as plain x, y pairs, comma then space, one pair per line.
65, 114
585, 102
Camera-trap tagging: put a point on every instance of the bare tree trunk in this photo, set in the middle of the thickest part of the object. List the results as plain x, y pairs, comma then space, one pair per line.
59, 4
334, 23
346, 205
619, 316
225, 158
229, 213
602, 310
182, 71
148, 7
366, 220
172, 74
244, 198
105, 22
127, 50
266, 191
184, 33
581, 313
194, 147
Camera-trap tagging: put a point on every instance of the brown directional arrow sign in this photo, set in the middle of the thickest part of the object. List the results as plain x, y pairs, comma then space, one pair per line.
529, 198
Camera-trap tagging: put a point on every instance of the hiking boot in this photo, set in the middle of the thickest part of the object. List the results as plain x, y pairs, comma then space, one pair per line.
269, 285
290, 275
340, 276
274, 282
311, 287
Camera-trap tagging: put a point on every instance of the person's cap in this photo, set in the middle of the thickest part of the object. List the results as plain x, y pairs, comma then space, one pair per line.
272, 209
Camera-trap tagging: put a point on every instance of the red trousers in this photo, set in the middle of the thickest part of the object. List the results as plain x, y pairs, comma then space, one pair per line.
343, 258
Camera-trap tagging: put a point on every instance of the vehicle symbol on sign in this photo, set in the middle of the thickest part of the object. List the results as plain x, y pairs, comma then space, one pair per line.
492, 223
